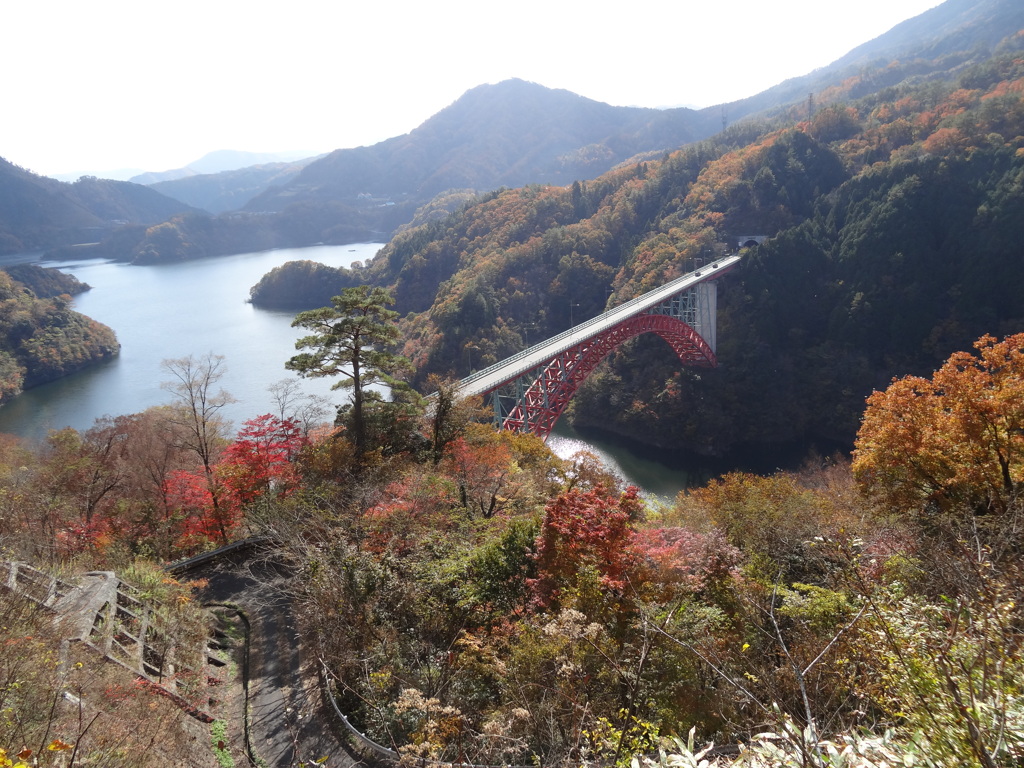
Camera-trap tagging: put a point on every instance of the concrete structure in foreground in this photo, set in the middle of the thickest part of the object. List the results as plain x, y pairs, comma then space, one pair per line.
112, 618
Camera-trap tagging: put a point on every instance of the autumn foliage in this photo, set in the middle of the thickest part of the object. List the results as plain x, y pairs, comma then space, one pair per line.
255, 465
954, 441
482, 599
261, 459
585, 530
478, 600
890, 205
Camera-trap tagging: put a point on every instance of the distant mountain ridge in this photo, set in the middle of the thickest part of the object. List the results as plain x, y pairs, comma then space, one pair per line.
508, 134
37, 212
221, 161
229, 190
514, 132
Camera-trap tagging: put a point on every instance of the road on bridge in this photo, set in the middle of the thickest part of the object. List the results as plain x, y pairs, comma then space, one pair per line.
488, 379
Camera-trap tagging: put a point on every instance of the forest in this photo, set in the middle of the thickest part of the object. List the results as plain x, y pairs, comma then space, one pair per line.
477, 599
871, 206
41, 337
37, 213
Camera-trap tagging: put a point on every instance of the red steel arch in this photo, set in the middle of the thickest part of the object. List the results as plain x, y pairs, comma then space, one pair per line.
529, 390
546, 398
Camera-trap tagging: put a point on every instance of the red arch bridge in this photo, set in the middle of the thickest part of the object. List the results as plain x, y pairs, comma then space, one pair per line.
529, 390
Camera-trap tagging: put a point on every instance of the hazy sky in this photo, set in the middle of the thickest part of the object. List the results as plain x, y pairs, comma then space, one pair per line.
156, 84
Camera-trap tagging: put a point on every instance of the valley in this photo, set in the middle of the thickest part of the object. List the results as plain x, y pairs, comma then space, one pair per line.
478, 596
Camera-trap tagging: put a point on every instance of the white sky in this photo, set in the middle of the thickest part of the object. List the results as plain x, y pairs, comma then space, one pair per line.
88, 86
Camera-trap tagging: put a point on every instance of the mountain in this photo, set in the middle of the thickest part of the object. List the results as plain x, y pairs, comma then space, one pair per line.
930, 46
217, 192
952, 29
117, 174
508, 134
219, 161
211, 163
894, 239
37, 212
495, 135
233, 159
515, 133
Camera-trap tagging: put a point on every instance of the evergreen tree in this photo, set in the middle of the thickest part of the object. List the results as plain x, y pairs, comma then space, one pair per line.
351, 339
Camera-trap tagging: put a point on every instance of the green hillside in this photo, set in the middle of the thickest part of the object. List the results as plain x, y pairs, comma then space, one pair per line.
895, 239
41, 337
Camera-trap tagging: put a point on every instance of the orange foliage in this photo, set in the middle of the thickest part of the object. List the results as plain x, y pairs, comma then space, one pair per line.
406, 510
1006, 88
956, 439
944, 141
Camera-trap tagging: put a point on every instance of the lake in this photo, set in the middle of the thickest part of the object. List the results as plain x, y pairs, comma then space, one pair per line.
169, 311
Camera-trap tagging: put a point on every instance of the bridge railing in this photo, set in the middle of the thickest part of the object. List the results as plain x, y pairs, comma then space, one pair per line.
624, 308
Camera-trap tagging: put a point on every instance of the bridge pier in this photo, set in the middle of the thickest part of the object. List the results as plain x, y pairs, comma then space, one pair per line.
530, 390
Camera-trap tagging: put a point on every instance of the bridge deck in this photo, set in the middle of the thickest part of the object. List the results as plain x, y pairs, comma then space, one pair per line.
494, 376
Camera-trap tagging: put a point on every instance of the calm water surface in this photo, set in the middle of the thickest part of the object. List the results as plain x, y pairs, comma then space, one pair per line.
657, 481
170, 311
174, 310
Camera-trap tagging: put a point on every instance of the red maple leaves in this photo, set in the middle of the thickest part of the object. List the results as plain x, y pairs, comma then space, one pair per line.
257, 463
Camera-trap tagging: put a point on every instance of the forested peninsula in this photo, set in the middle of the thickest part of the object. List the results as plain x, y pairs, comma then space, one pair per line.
41, 337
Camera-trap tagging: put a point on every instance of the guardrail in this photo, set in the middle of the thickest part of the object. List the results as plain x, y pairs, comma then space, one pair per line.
368, 746
235, 547
644, 301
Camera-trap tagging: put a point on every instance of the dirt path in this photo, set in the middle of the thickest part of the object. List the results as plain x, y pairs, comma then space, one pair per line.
288, 726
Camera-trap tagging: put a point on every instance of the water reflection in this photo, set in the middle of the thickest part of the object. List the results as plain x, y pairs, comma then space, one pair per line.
171, 311
657, 481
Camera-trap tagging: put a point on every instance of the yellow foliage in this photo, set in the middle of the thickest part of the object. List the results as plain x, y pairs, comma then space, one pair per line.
955, 439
